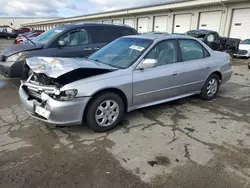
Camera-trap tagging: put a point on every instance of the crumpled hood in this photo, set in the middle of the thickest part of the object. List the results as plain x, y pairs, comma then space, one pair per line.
55, 67
16, 48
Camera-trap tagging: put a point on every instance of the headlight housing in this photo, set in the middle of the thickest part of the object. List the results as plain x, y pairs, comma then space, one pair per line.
65, 95
17, 57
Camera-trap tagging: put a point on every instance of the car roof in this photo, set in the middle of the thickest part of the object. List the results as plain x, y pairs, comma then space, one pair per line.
203, 31
159, 36
77, 25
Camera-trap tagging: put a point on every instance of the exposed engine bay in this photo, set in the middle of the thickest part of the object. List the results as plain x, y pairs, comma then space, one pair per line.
67, 78
48, 75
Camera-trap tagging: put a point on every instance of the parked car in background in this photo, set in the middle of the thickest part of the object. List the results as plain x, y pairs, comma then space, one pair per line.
156, 33
23, 38
16, 32
216, 42
130, 73
244, 49
75, 40
4, 33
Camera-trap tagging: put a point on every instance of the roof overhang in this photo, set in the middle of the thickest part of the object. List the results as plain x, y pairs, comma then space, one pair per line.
138, 10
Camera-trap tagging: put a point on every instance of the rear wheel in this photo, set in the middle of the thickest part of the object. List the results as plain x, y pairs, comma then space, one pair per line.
210, 88
248, 64
104, 112
8, 38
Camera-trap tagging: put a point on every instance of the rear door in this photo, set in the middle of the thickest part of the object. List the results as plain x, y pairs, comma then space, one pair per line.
78, 44
195, 65
101, 35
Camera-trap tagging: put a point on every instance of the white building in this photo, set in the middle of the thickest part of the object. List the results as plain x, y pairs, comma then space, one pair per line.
16, 22
228, 17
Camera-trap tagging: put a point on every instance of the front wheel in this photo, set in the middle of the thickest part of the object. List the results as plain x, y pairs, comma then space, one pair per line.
210, 88
248, 64
104, 112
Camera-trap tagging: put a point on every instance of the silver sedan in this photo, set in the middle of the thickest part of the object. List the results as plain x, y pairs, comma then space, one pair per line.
130, 73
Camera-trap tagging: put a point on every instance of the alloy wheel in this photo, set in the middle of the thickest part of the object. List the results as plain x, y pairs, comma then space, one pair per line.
107, 113
212, 87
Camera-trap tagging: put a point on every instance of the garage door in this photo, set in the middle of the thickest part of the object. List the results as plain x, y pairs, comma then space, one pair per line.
182, 23
240, 27
143, 24
106, 21
117, 21
210, 20
129, 21
160, 23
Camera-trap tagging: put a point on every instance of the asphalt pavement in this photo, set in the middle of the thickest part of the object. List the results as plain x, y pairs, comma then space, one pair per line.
188, 143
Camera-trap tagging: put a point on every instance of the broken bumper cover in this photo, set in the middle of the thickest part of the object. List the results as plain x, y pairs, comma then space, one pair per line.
61, 112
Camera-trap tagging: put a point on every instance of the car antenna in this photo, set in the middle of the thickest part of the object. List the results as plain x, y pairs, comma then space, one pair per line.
20, 33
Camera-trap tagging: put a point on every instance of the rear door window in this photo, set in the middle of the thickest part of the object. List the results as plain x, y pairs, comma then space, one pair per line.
104, 34
192, 50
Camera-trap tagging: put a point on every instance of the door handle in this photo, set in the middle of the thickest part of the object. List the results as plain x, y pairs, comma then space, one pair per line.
175, 74
97, 48
87, 49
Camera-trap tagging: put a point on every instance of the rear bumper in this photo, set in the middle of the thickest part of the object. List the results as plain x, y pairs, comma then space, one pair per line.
12, 69
61, 112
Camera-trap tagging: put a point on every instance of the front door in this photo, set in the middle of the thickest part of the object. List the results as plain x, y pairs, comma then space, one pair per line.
160, 82
77, 44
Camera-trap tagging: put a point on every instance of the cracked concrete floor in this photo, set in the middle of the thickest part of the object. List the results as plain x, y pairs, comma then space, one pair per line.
186, 143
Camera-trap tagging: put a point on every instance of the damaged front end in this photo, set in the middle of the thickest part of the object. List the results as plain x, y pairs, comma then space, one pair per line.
42, 95
51, 74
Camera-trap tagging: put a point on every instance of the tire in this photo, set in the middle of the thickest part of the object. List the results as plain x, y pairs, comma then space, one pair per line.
8, 38
214, 82
248, 64
109, 118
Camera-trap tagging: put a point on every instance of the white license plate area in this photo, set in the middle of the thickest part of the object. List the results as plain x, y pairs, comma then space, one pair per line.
42, 111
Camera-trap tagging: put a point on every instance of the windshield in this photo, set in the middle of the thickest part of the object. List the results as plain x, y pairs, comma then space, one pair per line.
48, 35
121, 53
247, 41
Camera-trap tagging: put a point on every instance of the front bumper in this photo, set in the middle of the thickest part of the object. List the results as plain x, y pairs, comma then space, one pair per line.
242, 55
61, 112
12, 69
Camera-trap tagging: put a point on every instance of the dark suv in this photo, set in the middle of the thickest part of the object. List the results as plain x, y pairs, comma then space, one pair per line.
74, 40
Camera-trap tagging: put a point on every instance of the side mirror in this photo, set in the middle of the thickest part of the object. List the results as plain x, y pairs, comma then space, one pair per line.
147, 63
62, 43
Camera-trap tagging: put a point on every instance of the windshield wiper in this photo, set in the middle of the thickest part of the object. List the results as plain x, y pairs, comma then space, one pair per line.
22, 35
97, 60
